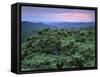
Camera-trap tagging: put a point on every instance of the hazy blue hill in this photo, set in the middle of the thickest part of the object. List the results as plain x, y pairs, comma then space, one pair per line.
29, 26
66, 25
35, 27
72, 25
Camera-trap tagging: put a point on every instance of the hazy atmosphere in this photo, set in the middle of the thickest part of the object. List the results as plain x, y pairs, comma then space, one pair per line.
57, 38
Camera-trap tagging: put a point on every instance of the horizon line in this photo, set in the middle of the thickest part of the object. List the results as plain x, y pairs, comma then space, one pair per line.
57, 21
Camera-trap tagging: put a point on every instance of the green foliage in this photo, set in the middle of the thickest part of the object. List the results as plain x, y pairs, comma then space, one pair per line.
59, 48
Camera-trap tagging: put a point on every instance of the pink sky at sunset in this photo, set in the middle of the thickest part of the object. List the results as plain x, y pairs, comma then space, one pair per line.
75, 17
41, 14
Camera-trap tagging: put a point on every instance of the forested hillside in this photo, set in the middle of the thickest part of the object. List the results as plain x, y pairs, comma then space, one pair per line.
58, 48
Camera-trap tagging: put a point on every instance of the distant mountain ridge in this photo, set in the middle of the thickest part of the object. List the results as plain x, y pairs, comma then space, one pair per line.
64, 25
29, 27
69, 25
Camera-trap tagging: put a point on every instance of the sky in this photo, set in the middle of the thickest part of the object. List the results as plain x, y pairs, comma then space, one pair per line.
43, 14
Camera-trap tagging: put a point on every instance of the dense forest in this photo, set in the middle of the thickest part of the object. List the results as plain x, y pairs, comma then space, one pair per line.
58, 48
